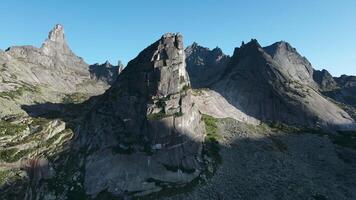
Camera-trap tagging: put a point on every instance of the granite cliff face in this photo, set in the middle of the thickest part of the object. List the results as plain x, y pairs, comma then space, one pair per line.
204, 65
145, 125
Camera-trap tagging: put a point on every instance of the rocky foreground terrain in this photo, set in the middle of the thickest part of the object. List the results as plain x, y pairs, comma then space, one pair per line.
175, 123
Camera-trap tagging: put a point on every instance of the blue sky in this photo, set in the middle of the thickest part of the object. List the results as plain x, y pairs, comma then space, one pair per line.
324, 31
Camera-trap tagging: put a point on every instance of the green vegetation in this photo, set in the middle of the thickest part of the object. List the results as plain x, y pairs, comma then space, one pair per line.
157, 116
211, 143
162, 115
8, 128
64, 183
7, 154
281, 127
13, 154
7, 176
186, 87
211, 127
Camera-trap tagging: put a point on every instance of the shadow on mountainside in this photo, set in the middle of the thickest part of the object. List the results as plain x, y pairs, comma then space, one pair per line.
71, 162
256, 163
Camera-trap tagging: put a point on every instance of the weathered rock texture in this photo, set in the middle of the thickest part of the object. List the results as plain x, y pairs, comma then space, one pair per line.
46, 74
204, 65
105, 72
324, 79
275, 83
145, 125
341, 89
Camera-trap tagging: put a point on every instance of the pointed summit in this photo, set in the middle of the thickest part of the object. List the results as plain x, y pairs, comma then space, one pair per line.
56, 43
57, 34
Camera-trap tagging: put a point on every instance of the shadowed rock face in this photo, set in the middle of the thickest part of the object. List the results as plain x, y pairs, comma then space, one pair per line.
324, 79
145, 122
275, 83
341, 89
105, 72
204, 65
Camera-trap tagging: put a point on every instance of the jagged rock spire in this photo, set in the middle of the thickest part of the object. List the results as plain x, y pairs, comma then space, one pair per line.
56, 43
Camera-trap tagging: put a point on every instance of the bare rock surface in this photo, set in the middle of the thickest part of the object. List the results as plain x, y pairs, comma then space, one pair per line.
204, 65
211, 103
46, 74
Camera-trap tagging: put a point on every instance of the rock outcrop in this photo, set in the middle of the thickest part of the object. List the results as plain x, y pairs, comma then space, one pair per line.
145, 125
341, 89
105, 72
204, 65
324, 79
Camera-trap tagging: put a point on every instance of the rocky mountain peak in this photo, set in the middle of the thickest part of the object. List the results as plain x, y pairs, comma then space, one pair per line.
280, 46
247, 49
56, 43
57, 34
324, 79
160, 67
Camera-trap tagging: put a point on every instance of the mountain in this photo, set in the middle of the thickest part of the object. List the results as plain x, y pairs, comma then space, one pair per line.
51, 73
275, 83
174, 124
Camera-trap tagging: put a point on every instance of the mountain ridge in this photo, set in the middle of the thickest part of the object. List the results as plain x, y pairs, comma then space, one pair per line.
174, 123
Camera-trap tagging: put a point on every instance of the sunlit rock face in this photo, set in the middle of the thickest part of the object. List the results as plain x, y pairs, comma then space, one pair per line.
145, 125
45, 74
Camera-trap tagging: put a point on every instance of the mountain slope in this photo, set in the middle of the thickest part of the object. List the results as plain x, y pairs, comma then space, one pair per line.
275, 83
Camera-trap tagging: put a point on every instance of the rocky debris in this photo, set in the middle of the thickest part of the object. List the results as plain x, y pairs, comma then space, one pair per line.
105, 72
275, 83
260, 164
204, 65
146, 125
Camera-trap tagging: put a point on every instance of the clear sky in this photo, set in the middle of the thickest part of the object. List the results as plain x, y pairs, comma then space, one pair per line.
324, 31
